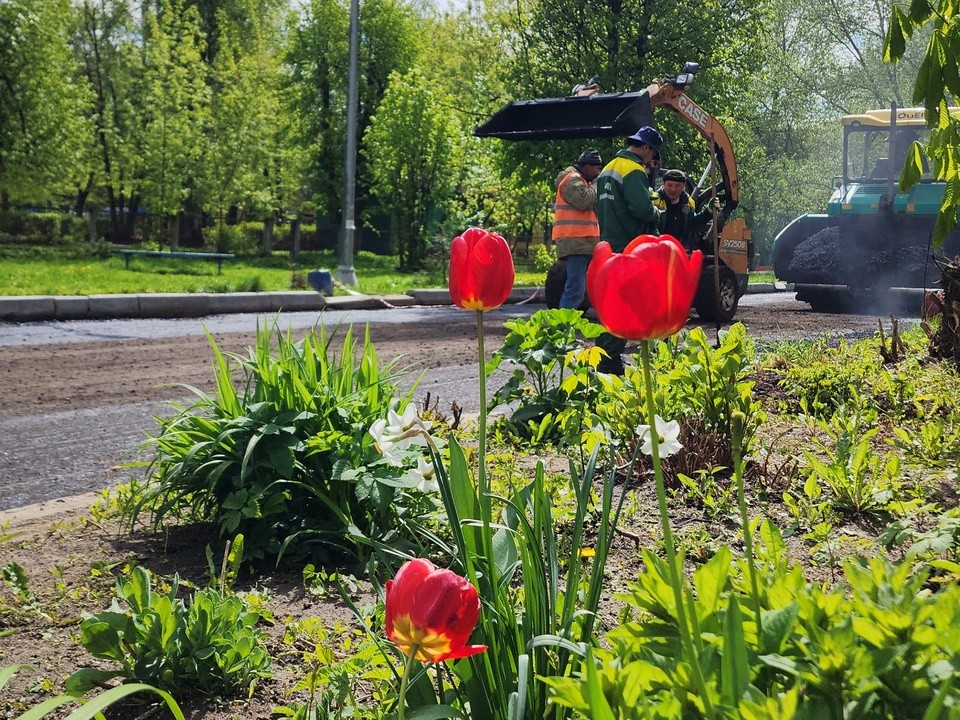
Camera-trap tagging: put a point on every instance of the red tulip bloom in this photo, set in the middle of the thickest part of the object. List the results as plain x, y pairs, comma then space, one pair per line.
481, 270
431, 612
645, 292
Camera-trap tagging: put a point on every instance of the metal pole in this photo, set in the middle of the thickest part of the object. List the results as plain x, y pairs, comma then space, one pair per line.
345, 273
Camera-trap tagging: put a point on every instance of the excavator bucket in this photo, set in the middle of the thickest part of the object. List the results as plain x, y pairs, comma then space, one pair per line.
569, 118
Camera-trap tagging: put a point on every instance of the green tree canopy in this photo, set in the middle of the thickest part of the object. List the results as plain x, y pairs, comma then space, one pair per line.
411, 148
43, 104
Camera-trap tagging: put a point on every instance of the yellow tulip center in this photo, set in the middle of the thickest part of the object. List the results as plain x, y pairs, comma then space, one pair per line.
431, 644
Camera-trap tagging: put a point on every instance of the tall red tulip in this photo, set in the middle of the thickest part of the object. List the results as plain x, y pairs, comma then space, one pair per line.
431, 612
645, 292
481, 270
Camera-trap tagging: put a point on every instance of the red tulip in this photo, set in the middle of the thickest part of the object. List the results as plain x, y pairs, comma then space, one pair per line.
481, 270
431, 612
645, 292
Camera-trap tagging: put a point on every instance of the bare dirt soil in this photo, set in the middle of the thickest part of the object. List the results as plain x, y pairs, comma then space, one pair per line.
56, 395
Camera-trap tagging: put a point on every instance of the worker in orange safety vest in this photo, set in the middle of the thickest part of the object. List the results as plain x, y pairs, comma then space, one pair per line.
575, 227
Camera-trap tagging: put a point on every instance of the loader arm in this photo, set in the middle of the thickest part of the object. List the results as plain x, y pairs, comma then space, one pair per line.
615, 115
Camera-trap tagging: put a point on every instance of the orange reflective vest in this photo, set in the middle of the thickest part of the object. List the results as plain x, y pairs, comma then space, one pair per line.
568, 222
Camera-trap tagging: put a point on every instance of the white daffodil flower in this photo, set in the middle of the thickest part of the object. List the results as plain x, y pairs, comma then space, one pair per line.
391, 451
668, 436
426, 476
407, 429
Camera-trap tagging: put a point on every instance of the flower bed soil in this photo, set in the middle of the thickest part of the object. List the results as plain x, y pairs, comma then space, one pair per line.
71, 561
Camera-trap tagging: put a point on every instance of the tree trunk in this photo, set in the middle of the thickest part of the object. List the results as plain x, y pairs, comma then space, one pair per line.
174, 225
82, 195
91, 225
4, 201
295, 238
129, 221
267, 246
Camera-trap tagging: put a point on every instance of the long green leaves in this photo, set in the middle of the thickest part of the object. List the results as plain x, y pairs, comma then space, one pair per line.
92, 708
273, 454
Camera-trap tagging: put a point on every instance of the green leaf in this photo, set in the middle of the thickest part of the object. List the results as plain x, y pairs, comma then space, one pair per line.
46, 707
599, 707
895, 44
86, 679
105, 699
435, 712
912, 168
7, 672
734, 667
777, 624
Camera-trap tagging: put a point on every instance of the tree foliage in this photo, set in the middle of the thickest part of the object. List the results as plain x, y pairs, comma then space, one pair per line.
937, 88
42, 118
411, 150
318, 61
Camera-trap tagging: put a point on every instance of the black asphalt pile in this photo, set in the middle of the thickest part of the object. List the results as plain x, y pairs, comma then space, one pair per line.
814, 260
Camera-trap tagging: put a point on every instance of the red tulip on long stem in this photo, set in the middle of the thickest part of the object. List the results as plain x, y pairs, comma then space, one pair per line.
645, 293
430, 614
481, 278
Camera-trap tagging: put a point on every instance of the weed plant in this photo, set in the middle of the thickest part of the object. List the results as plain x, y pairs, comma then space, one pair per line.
207, 643
275, 455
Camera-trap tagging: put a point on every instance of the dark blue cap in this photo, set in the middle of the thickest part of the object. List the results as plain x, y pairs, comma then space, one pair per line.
647, 136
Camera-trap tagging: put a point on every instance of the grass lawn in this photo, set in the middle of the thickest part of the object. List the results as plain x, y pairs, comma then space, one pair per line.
64, 270
75, 270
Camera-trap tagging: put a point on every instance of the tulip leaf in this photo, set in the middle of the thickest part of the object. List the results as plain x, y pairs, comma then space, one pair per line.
556, 641
435, 712
734, 665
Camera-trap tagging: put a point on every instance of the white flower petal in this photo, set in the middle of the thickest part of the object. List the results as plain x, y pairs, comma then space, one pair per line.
668, 437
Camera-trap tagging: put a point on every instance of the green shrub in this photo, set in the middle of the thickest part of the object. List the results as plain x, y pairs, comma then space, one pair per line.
41, 227
877, 648
551, 384
542, 259
208, 643
241, 239
277, 459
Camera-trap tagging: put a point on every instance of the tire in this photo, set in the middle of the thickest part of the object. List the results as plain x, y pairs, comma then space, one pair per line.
705, 301
553, 287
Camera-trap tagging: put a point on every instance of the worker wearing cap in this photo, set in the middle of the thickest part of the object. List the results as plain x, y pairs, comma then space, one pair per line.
678, 212
575, 227
625, 210
624, 207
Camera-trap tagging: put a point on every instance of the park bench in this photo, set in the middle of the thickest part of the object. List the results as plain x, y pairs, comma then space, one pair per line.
218, 257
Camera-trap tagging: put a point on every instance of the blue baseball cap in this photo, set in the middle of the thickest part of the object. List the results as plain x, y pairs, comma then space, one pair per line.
647, 136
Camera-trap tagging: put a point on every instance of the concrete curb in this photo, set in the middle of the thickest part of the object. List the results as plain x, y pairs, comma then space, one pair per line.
34, 308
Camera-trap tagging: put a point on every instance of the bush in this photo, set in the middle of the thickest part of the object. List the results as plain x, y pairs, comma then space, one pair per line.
40, 227
241, 239
277, 460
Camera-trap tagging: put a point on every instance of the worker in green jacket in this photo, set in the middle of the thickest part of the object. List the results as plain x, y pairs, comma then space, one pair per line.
625, 210
624, 207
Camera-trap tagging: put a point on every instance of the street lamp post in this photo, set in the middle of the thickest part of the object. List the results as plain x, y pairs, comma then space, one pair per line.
346, 273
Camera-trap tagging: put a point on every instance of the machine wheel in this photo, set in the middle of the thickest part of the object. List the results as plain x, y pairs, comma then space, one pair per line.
705, 301
553, 287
